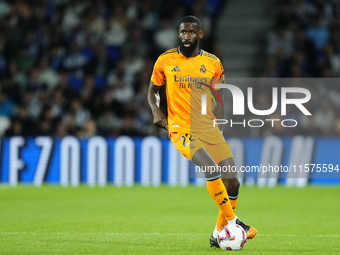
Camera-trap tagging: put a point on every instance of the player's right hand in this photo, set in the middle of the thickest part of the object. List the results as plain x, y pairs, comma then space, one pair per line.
159, 120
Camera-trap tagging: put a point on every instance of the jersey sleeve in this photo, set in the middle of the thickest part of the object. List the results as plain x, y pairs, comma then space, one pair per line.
219, 74
158, 76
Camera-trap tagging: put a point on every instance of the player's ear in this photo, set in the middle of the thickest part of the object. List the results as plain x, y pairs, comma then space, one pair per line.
201, 34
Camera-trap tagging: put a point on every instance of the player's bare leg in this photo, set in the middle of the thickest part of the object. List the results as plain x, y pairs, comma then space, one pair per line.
232, 184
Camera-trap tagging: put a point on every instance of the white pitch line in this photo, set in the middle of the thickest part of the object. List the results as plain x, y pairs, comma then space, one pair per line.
100, 233
157, 234
291, 235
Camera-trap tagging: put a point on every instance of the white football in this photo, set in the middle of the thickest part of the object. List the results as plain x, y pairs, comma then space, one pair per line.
232, 237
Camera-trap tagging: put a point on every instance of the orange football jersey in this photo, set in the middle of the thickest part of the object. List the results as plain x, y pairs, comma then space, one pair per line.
186, 80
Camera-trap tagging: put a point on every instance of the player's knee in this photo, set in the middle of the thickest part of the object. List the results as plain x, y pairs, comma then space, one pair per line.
232, 184
235, 185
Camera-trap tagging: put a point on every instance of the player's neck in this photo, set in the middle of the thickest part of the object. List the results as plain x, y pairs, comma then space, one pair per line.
195, 53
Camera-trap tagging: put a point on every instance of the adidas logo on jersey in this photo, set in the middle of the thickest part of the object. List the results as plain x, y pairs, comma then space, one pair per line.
176, 69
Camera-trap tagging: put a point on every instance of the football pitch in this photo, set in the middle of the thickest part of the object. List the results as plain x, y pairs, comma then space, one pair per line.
164, 220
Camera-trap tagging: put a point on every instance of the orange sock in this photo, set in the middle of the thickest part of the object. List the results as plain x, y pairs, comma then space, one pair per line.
221, 221
218, 192
233, 203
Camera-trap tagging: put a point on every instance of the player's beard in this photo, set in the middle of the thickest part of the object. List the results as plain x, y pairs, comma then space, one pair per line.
187, 51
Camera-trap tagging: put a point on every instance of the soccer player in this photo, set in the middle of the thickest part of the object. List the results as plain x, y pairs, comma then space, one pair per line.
189, 72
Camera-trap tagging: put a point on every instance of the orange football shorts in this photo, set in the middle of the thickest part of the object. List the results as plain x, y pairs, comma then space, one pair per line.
213, 142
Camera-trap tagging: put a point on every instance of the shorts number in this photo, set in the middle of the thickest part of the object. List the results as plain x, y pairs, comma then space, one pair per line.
184, 138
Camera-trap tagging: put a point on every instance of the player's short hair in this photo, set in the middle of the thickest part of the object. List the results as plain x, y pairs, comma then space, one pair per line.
192, 19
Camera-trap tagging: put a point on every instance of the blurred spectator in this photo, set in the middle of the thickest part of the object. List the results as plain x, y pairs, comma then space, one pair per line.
69, 120
128, 127
122, 91
133, 64
337, 126
18, 76
6, 105
118, 24
26, 125
89, 130
72, 14
4, 8
75, 61
318, 33
334, 60
303, 10
47, 75
281, 41
167, 37
324, 118
15, 129
109, 122
200, 11
137, 43
4, 124
61, 130
81, 115
23, 59
286, 14
96, 23
101, 64
45, 128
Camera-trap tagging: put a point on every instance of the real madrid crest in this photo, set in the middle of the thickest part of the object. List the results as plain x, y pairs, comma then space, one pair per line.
203, 69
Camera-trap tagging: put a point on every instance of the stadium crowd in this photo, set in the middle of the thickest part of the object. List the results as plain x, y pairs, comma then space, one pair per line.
82, 68
305, 43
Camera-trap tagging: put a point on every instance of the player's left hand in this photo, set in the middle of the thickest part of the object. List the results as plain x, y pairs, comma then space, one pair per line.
159, 119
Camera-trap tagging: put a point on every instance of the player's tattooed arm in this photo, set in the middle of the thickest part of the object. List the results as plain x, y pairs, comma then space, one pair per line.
154, 100
218, 109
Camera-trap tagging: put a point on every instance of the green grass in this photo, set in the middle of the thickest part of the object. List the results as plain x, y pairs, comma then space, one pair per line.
165, 220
